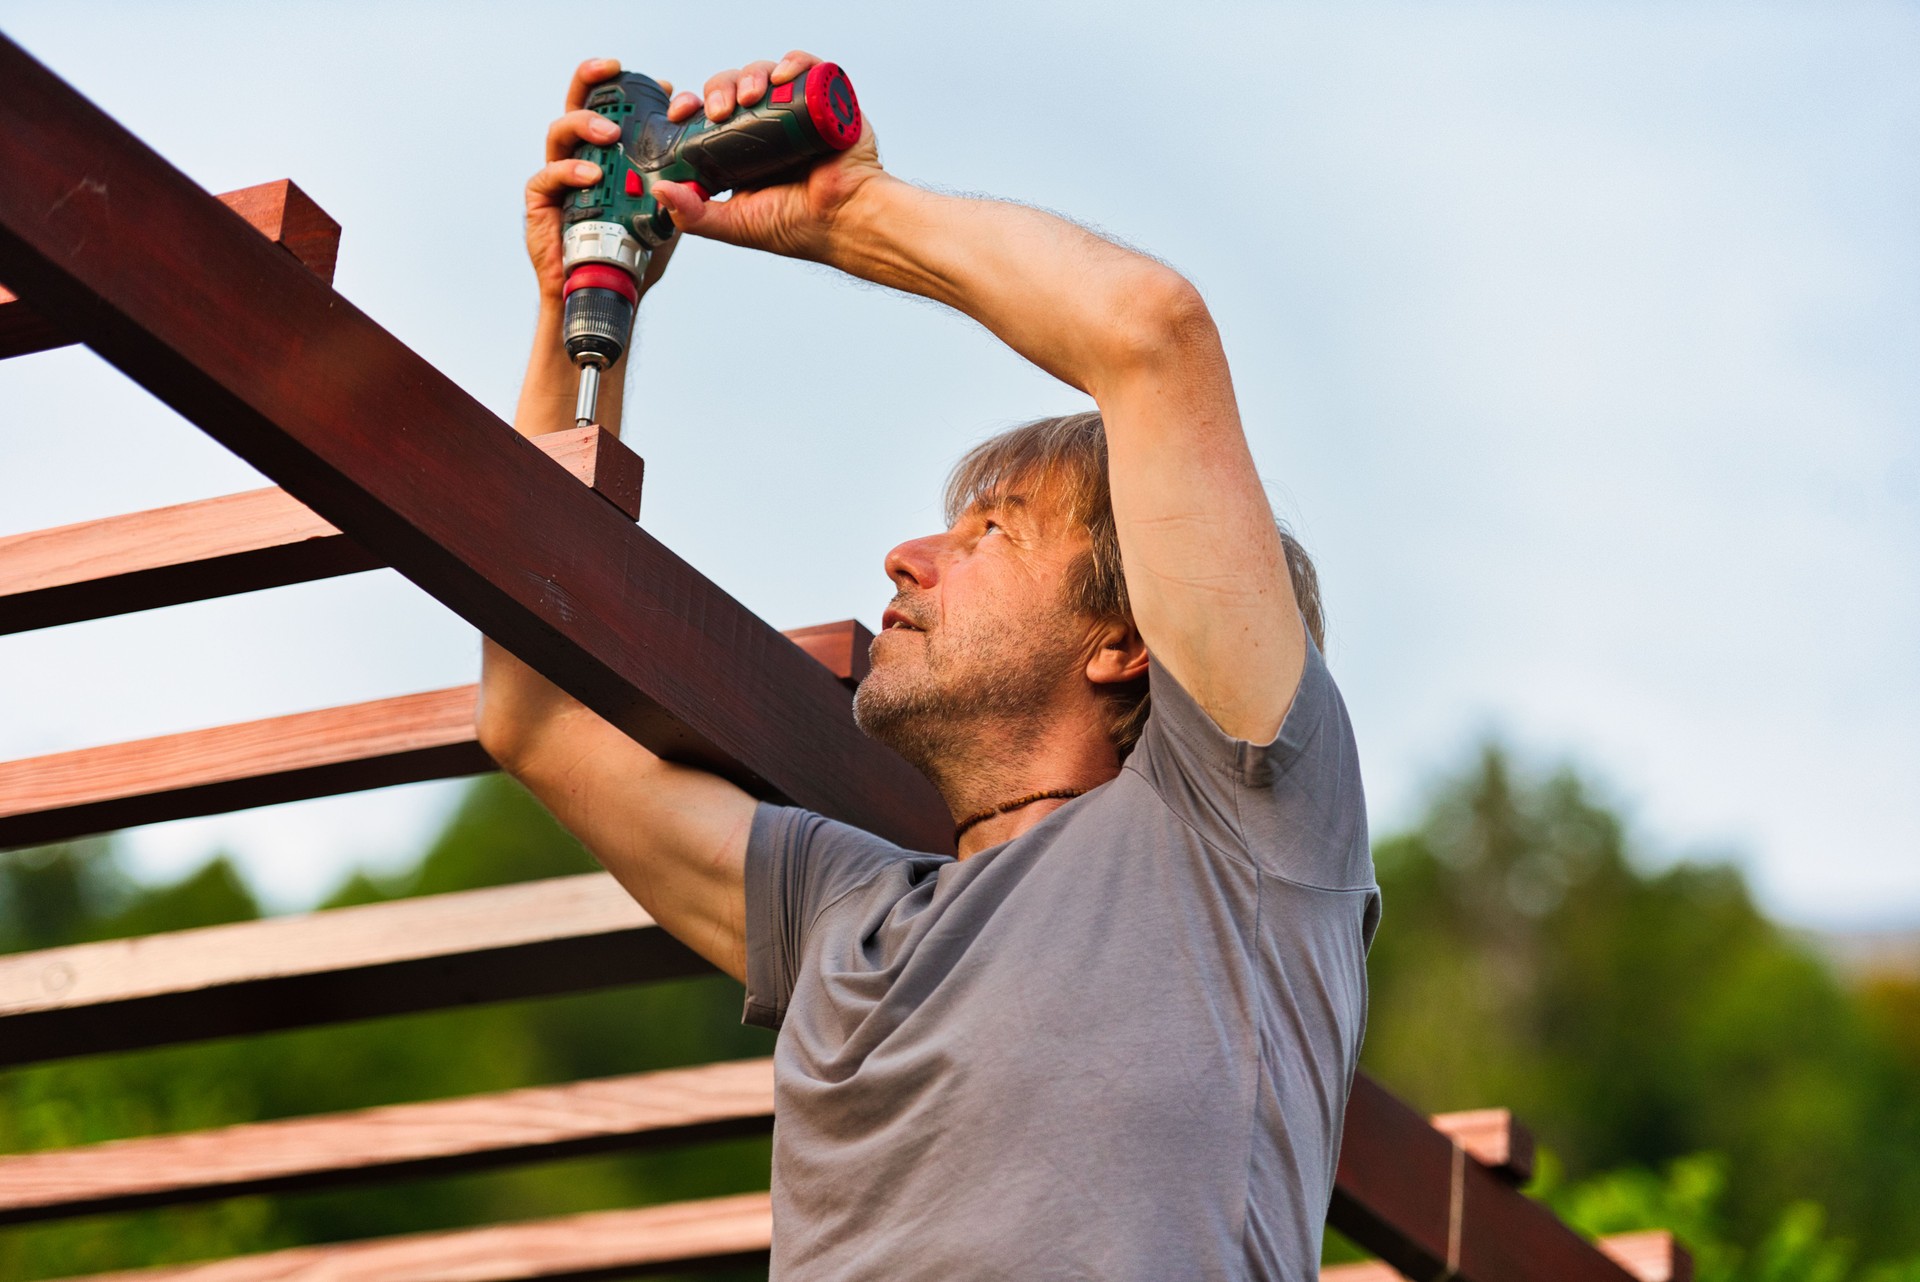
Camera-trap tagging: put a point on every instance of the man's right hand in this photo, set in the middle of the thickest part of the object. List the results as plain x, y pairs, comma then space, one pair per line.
547, 190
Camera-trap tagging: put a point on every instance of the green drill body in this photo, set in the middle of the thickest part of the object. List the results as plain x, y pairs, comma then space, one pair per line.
618, 222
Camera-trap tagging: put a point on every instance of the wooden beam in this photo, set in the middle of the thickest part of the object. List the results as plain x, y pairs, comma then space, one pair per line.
405, 739
255, 763
1654, 1256
1412, 1196
229, 331
235, 543
1494, 1138
564, 935
1647, 1257
840, 647
279, 210
443, 1137
721, 1232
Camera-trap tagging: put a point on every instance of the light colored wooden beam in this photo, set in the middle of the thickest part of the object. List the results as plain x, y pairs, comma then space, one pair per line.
566, 934
235, 543
708, 1234
405, 739
442, 1137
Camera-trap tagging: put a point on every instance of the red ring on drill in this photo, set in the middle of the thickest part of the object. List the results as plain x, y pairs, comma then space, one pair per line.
601, 276
825, 83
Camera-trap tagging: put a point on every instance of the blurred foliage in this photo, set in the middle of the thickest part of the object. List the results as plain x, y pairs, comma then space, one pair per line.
1691, 1065
1637, 1016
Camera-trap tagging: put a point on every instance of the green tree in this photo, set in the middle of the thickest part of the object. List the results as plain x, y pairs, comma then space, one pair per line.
1633, 1014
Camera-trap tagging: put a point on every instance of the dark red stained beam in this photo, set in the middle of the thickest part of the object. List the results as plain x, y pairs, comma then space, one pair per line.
442, 1137
234, 543
279, 210
405, 739
1493, 1137
840, 647
564, 935
104, 237
1401, 1192
1654, 1256
721, 1232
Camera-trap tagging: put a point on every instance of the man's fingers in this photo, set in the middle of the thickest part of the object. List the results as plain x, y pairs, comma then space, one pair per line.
578, 126
586, 76
751, 87
553, 180
682, 107
796, 61
718, 93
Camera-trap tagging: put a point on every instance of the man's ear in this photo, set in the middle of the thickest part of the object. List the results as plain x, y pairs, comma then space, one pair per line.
1119, 655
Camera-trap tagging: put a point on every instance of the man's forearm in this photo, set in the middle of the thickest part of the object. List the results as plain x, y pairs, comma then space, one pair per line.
1079, 306
517, 703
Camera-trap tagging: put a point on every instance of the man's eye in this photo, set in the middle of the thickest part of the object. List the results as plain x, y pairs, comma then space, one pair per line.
993, 525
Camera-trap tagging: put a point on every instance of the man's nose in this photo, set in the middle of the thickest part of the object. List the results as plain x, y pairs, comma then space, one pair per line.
915, 563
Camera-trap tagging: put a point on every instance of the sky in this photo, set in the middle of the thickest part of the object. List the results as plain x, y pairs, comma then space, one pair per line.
1578, 342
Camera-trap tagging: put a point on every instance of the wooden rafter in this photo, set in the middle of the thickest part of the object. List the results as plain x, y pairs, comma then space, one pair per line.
241, 339
405, 739
221, 546
279, 210
563, 935
715, 1233
441, 1137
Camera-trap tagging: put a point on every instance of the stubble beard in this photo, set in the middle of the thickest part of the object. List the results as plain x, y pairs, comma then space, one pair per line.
971, 698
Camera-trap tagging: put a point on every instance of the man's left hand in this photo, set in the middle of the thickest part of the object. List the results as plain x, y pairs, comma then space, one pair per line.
796, 219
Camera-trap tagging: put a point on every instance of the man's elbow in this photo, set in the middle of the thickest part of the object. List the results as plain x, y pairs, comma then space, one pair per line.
498, 736
1159, 318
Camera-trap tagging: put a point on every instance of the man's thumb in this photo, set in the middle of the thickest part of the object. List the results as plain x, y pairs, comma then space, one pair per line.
688, 207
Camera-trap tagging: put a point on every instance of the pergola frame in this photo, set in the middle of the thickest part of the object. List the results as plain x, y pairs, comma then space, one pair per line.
385, 462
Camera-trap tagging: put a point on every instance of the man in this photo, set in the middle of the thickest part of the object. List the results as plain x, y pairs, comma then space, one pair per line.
1113, 1039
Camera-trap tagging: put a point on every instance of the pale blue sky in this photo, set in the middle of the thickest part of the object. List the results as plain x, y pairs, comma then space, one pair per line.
1577, 341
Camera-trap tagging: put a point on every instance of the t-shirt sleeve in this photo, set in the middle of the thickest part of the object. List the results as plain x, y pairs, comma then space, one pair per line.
798, 865
1293, 807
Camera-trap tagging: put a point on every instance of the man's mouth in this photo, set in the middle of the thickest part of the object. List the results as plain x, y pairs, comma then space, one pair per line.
894, 621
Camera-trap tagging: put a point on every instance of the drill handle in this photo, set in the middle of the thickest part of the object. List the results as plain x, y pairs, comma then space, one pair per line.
777, 139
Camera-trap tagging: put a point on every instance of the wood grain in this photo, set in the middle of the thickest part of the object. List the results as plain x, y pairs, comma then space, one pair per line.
239, 338
377, 744
235, 543
714, 1233
564, 935
714, 1101
255, 763
279, 210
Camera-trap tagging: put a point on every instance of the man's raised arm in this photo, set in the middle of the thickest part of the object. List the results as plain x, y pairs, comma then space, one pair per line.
1205, 566
675, 837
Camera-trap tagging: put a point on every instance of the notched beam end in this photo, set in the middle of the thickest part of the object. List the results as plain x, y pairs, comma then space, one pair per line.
278, 210
1493, 1137
841, 648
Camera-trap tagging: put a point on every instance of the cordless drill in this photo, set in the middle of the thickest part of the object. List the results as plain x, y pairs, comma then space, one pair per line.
613, 227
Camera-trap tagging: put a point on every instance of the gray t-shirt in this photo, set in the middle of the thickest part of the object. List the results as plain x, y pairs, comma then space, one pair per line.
1116, 1047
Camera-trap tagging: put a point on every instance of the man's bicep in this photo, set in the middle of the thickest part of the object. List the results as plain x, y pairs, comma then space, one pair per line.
1206, 568
673, 836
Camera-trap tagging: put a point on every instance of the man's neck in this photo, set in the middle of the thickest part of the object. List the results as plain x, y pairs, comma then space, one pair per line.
992, 765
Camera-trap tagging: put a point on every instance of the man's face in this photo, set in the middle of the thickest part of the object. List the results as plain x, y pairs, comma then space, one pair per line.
978, 633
